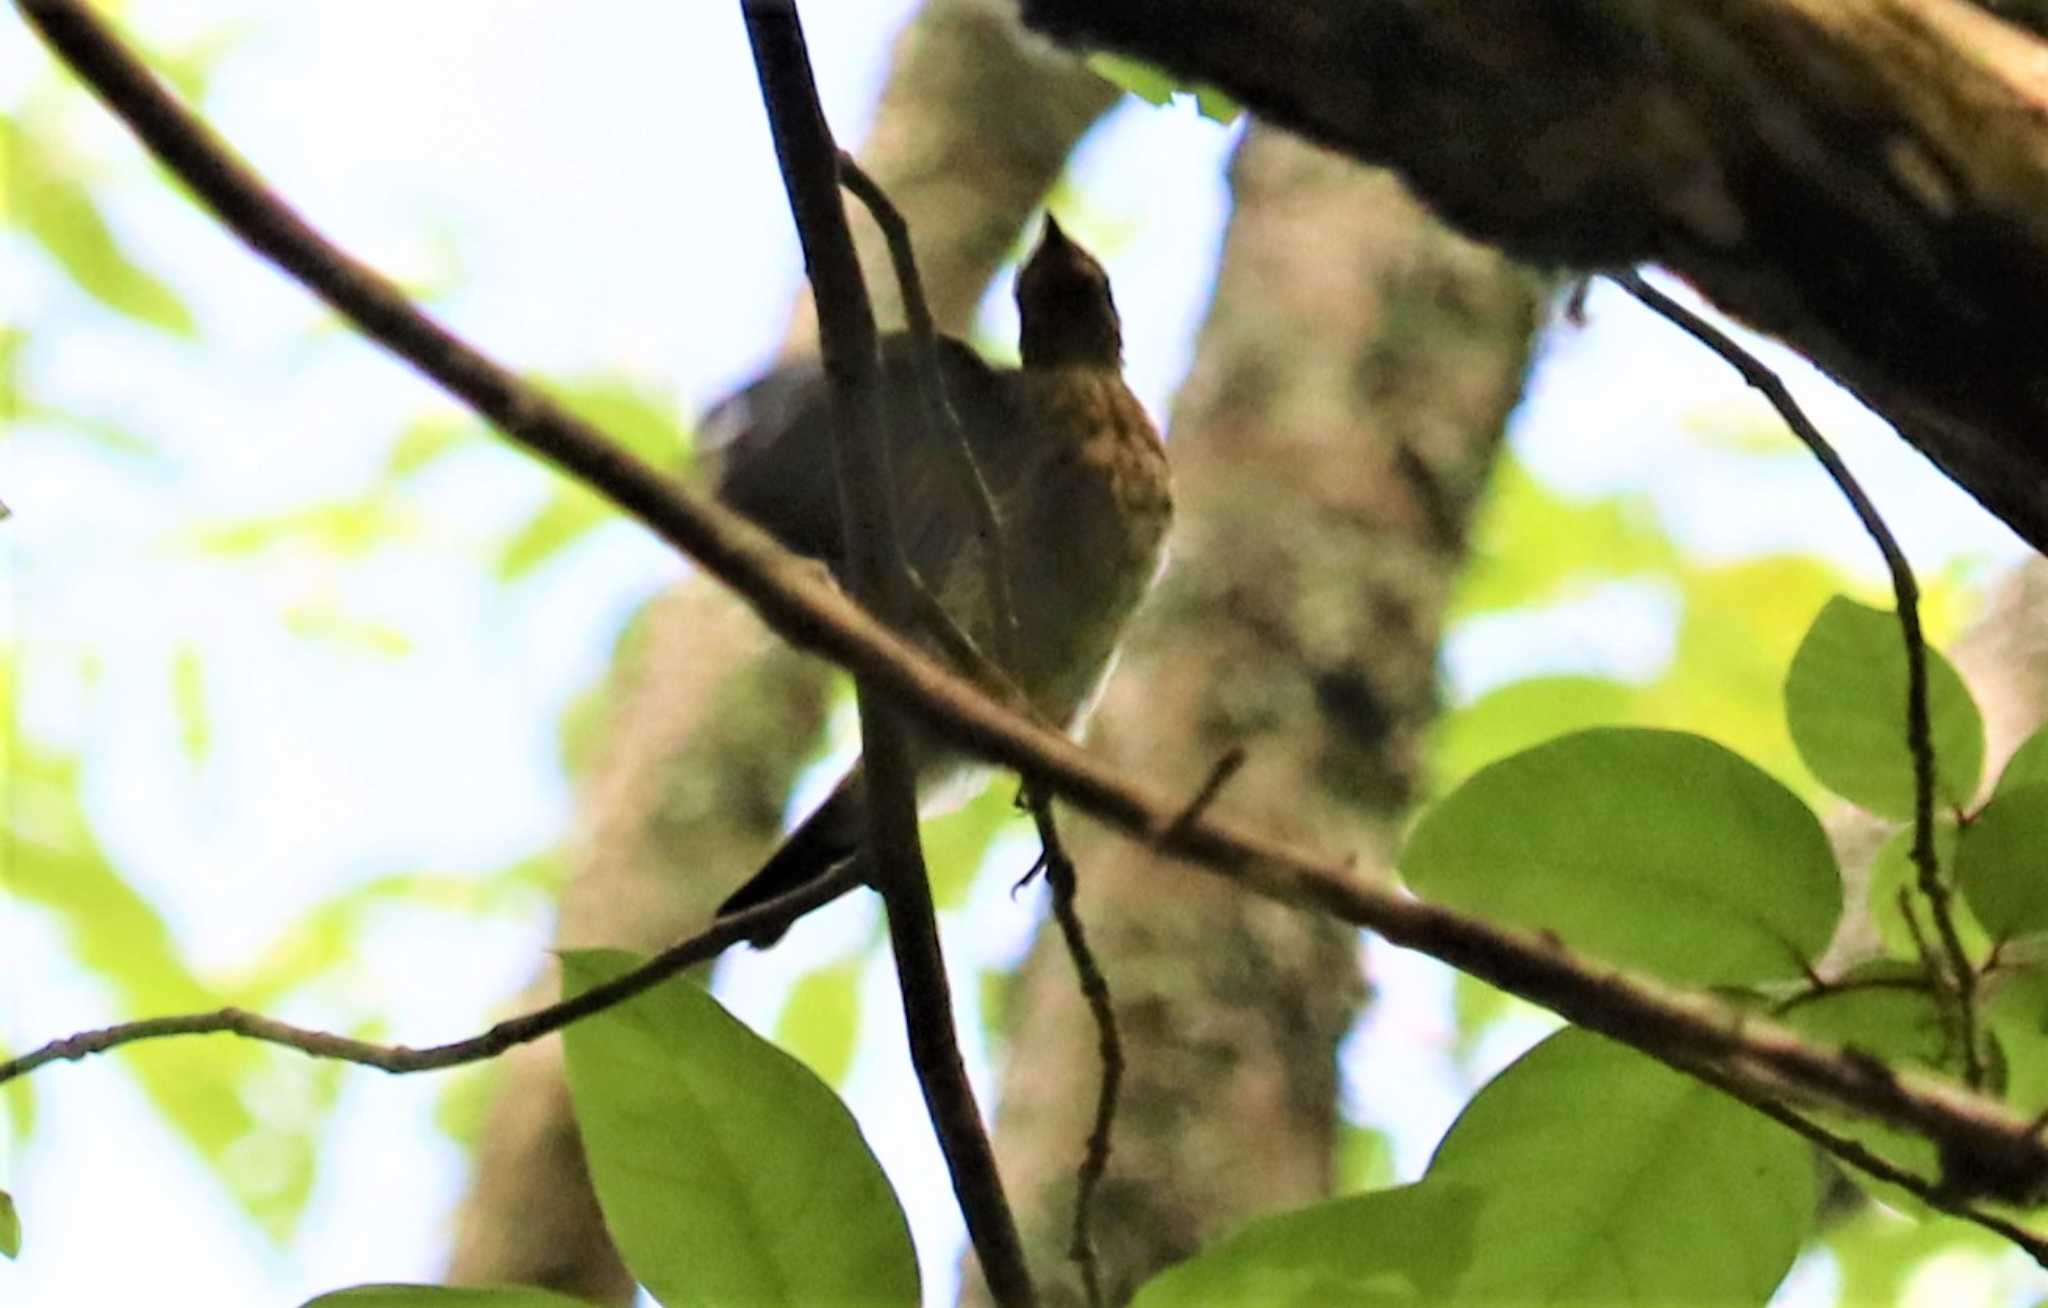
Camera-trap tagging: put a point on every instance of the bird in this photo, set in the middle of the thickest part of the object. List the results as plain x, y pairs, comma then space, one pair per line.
1068, 460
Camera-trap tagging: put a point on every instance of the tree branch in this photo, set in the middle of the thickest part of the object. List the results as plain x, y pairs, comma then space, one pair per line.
1867, 179
867, 494
1962, 974
399, 1059
1981, 1140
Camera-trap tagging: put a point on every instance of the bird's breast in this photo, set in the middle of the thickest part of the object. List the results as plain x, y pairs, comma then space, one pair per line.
1085, 527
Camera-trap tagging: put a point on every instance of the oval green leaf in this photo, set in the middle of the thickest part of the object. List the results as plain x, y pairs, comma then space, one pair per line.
820, 1022
1388, 1249
2002, 862
1652, 849
1892, 870
10, 1227
727, 1172
1612, 1179
2028, 765
2016, 1011
444, 1296
57, 209
1845, 702
1882, 1009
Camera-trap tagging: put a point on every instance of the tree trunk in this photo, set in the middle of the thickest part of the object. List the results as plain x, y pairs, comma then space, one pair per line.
1347, 396
1867, 179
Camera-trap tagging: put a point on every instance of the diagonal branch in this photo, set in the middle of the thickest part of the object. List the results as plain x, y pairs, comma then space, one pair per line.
399, 1059
1982, 1141
848, 343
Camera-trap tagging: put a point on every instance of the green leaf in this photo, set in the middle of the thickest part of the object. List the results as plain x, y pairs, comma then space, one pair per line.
1520, 715
1879, 1252
1476, 1008
628, 412
821, 1021
1651, 849
2016, 1012
1892, 871
1871, 1013
1611, 1179
348, 528
426, 440
1365, 1158
2028, 765
1156, 87
1535, 545
329, 625
570, 513
1216, 106
10, 1227
1141, 79
2002, 862
727, 1172
188, 700
1882, 1008
119, 936
1845, 701
956, 843
17, 1102
61, 214
1381, 1250
444, 1296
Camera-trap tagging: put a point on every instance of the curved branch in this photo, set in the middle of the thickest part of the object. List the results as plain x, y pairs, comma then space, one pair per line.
1985, 1148
399, 1059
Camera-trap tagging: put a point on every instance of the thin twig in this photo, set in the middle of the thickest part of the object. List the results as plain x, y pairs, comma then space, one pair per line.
848, 344
1683, 1030
776, 914
1819, 990
1061, 878
1862, 1158
1220, 775
1906, 591
942, 420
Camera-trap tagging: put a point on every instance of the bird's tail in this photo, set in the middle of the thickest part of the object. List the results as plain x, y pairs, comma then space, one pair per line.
832, 834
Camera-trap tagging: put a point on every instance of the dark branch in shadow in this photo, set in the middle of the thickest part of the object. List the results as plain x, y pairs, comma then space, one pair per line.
848, 343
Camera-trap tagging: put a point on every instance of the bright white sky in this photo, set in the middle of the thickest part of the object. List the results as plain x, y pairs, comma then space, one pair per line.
596, 182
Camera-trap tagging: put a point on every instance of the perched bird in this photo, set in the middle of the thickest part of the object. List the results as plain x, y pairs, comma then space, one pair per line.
1074, 470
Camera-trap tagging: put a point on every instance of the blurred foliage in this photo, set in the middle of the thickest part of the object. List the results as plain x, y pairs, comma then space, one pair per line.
52, 203
820, 1022
1155, 86
1738, 626
644, 424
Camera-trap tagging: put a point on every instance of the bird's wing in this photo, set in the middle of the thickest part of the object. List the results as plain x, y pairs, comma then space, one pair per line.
770, 451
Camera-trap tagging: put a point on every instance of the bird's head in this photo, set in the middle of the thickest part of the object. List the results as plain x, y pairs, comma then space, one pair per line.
1064, 308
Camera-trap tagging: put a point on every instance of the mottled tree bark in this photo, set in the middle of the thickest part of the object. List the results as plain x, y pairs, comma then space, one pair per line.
1866, 178
1346, 400
712, 716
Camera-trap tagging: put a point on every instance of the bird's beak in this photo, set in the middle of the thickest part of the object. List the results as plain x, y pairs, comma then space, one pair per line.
1053, 231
